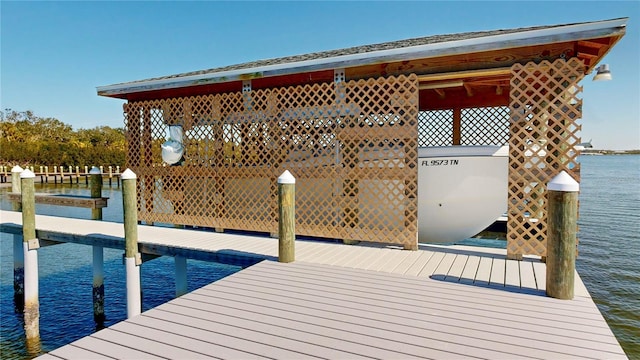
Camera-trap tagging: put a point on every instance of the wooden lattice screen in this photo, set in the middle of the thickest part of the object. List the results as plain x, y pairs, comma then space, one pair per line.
544, 111
352, 147
478, 126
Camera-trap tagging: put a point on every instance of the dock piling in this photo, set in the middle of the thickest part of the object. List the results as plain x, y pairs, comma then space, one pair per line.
562, 216
30, 245
98, 252
96, 191
181, 275
132, 257
15, 185
18, 253
286, 217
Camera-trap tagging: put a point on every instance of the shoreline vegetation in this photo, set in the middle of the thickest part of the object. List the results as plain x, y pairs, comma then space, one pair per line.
30, 140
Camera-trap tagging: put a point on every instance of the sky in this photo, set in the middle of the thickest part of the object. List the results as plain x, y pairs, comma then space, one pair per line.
54, 54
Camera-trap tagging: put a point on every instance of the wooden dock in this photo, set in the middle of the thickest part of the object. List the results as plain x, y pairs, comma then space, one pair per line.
341, 301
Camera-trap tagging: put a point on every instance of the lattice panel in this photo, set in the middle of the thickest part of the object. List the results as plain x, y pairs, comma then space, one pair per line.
352, 147
435, 128
544, 110
484, 126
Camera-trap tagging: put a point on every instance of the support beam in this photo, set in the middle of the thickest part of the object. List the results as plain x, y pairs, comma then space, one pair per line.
457, 121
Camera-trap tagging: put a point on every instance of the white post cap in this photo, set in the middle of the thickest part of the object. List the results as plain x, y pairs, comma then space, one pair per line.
95, 171
128, 175
563, 182
286, 178
27, 174
17, 169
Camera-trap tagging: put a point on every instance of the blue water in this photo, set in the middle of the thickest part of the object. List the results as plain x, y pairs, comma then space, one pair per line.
65, 283
608, 263
609, 242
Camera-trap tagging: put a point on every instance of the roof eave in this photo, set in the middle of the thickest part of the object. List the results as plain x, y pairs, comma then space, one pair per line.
488, 43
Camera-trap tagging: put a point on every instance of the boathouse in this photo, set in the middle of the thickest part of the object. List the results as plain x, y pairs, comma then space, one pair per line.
348, 124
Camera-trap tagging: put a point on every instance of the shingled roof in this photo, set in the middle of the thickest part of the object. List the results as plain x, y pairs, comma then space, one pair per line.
374, 53
399, 44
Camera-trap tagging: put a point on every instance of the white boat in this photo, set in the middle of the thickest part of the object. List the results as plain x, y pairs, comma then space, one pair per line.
461, 191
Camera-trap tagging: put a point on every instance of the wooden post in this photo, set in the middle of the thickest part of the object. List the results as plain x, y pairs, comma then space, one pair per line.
98, 252
96, 191
18, 272
98, 285
562, 215
110, 174
132, 257
15, 185
457, 121
18, 251
46, 174
286, 217
181, 275
30, 247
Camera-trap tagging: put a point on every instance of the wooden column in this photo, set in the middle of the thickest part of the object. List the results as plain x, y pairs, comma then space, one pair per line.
457, 121
30, 247
131, 256
562, 215
286, 217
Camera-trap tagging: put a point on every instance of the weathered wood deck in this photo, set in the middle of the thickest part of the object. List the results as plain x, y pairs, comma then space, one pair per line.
340, 301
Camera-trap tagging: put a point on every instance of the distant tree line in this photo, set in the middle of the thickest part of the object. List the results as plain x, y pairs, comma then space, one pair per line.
27, 139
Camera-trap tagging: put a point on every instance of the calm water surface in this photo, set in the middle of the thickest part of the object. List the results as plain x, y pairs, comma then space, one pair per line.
609, 242
608, 263
65, 282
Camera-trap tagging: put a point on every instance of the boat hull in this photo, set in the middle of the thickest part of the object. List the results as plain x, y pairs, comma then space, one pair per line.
461, 191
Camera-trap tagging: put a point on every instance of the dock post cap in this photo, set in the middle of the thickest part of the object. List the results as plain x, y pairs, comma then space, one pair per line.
17, 169
563, 182
95, 170
128, 174
286, 178
27, 174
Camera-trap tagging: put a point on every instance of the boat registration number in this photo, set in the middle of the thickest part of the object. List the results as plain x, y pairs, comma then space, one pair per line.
444, 162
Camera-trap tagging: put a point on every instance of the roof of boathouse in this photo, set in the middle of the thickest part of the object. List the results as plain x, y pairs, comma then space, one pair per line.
589, 41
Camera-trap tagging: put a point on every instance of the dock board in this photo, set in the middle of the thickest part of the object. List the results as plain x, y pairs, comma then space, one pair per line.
466, 264
340, 301
303, 310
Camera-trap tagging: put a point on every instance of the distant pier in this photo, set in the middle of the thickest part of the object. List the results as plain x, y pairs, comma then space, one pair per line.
65, 174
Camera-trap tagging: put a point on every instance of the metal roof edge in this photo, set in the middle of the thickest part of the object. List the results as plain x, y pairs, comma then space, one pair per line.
558, 33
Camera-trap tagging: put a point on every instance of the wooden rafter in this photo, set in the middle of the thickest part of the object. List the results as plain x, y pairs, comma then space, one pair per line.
467, 88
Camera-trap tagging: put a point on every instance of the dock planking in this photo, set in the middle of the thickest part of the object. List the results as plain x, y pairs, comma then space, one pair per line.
341, 301
305, 310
